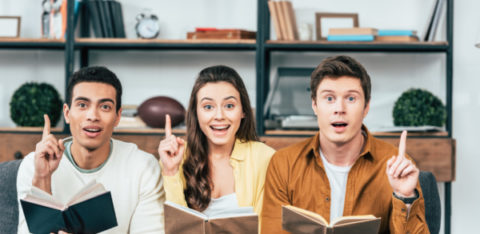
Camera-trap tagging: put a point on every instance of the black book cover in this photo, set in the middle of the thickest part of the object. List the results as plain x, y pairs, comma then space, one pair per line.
93, 12
91, 216
102, 17
107, 17
117, 19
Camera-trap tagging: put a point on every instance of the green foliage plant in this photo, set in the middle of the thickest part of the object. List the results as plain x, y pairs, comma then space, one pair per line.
418, 107
31, 100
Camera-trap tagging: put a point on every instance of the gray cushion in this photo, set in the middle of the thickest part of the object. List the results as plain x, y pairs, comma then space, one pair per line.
432, 201
8, 196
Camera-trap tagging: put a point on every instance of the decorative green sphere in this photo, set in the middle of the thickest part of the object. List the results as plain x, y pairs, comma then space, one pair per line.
418, 107
31, 101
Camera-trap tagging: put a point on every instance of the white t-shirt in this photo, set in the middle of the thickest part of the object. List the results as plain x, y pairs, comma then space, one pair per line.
337, 177
132, 176
226, 206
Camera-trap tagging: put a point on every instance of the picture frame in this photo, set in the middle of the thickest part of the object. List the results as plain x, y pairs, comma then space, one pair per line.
325, 21
10, 26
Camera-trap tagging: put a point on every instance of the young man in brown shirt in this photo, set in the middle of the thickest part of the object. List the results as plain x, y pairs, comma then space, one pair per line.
343, 170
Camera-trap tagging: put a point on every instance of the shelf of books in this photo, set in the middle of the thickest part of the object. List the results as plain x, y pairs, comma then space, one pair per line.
188, 44
31, 43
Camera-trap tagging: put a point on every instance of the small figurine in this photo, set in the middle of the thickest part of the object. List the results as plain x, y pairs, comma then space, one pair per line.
52, 25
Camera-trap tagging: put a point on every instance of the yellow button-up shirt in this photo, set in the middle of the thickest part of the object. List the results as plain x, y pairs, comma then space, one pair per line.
249, 161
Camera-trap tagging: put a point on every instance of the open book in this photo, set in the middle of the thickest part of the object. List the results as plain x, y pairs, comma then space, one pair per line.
89, 211
180, 219
298, 220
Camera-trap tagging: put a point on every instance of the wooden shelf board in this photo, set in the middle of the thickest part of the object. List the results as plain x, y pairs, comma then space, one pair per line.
283, 42
161, 41
31, 40
31, 43
29, 129
313, 132
147, 131
431, 154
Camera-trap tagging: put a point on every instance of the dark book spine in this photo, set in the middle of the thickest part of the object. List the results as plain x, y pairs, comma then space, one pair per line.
119, 29
84, 19
95, 18
101, 15
108, 18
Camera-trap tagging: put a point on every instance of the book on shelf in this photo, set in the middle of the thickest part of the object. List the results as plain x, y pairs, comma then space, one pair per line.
396, 32
183, 220
290, 21
352, 31
274, 14
88, 211
298, 220
223, 34
282, 20
397, 38
118, 26
106, 18
350, 37
434, 20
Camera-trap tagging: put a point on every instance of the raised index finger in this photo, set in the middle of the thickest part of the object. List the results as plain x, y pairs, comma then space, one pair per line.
403, 144
168, 126
46, 127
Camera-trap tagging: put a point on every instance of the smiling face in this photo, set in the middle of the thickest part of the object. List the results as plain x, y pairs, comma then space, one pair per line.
340, 109
219, 112
92, 115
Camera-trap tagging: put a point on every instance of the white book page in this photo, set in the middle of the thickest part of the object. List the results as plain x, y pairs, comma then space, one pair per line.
44, 202
186, 209
40, 197
351, 219
91, 190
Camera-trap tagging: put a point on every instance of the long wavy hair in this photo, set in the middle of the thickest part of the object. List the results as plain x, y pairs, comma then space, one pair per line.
196, 168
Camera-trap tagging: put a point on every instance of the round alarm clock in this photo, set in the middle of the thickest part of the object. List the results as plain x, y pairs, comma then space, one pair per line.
147, 26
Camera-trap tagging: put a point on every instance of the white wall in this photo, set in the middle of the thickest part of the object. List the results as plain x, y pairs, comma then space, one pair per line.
148, 73
466, 107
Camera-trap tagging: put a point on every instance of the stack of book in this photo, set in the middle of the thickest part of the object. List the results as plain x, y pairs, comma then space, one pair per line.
223, 34
351, 34
106, 18
283, 17
397, 35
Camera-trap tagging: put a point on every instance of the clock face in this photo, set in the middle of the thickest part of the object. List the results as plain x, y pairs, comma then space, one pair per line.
148, 28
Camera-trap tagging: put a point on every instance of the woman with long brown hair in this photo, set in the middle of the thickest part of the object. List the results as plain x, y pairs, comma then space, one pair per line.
223, 166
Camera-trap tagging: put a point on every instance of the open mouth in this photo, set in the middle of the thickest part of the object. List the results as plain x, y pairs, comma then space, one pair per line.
92, 129
339, 124
220, 127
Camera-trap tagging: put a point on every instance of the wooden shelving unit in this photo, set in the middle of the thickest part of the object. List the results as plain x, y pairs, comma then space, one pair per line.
434, 151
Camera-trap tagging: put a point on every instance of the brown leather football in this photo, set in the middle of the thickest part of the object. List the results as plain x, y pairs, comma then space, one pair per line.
153, 111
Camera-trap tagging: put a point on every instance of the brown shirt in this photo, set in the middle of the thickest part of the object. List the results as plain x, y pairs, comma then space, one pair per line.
296, 176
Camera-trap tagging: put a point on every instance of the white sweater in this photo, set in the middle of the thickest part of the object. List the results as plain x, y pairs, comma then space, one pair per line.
133, 177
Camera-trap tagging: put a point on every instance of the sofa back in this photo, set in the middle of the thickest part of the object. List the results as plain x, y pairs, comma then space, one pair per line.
8, 196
